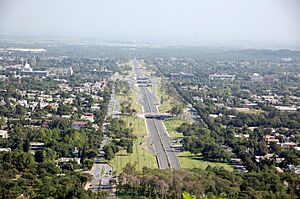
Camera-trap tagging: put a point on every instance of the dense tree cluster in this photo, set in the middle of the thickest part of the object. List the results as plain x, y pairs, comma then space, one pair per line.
122, 138
21, 174
201, 140
209, 183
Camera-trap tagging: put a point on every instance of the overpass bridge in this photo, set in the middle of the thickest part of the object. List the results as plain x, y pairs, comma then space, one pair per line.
158, 115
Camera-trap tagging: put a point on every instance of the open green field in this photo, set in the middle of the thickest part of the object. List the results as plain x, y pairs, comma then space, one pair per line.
189, 161
141, 157
171, 125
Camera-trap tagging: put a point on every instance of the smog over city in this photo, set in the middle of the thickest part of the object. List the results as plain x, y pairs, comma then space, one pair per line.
170, 99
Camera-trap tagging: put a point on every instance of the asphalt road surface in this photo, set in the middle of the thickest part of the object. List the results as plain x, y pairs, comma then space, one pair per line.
101, 175
166, 155
101, 171
114, 107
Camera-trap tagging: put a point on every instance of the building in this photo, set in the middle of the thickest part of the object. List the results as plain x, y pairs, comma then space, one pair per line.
265, 157
28, 71
66, 160
61, 71
79, 124
174, 76
36, 145
34, 73
286, 108
181, 76
3, 134
14, 68
270, 138
256, 78
143, 80
221, 77
103, 73
289, 144
186, 76
5, 149
88, 116
286, 59
244, 136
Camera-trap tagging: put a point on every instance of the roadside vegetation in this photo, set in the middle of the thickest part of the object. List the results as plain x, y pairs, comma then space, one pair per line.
190, 161
139, 156
137, 151
171, 125
210, 183
128, 98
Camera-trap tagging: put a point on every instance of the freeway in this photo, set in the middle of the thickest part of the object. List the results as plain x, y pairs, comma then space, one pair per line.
166, 156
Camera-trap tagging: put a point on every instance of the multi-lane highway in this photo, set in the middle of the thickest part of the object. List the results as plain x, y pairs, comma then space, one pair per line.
165, 154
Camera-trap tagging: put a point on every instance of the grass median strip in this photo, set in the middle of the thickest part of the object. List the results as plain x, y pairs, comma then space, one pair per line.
133, 96
140, 157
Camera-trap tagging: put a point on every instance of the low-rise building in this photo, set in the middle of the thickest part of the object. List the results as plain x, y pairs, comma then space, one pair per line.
78, 124
270, 138
66, 160
4, 134
88, 116
36, 145
289, 144
221, 77
286, 108
5, 149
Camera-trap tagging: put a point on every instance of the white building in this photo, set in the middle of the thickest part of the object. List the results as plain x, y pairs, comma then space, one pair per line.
221, 77
286, 108
3, 134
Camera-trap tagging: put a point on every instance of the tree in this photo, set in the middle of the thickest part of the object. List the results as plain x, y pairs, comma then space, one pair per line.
2, 121
39, 156
129, 149
109, 153
187, 195
176, 110
102, 194
20, 110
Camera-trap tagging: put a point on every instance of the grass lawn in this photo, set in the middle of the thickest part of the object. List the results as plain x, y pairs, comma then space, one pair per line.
137, 124
171, 125
141, 157
135, 103
167, 102
189, 161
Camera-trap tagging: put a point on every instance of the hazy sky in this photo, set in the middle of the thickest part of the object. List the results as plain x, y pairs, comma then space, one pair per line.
178, 20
